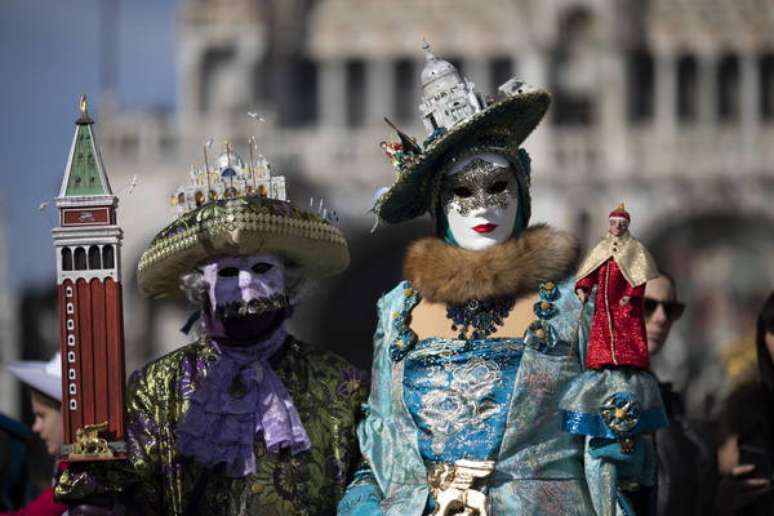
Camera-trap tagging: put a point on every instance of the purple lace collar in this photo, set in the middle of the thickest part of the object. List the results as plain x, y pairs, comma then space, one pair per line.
241, 399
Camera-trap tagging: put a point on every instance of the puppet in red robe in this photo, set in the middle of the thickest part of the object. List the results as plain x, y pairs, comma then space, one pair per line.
619, 266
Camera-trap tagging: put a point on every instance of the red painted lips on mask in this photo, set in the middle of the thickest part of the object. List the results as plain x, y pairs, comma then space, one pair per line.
484, 228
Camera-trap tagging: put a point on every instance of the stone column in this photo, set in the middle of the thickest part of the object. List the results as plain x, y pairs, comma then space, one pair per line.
533, 69
333, 103
750, 106
666, 109
380, 91
189, 86
666, 92
189, 76
611, 107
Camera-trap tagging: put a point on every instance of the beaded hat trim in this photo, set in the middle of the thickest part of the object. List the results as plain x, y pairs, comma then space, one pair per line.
242, 226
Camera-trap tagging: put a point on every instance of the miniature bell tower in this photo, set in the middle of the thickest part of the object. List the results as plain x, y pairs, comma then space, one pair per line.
91, 330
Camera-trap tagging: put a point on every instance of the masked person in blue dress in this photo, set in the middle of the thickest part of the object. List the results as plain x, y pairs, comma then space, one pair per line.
474, 349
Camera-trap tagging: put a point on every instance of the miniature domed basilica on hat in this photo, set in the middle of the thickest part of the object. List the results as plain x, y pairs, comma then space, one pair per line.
447, 96
230, 178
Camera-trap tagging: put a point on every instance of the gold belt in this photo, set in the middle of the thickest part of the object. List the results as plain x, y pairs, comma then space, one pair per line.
452, 487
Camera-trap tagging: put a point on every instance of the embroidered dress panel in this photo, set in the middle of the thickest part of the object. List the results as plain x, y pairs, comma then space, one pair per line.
458, 393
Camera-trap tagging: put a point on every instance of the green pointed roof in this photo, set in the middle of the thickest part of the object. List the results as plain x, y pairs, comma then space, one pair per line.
85, 173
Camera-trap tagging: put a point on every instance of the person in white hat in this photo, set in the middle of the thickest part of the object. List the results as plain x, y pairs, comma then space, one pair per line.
45, 380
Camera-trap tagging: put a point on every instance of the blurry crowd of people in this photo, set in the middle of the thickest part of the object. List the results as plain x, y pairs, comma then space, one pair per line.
721, 467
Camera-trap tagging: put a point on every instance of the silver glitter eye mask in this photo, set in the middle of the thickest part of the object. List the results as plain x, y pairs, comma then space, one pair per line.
479, 185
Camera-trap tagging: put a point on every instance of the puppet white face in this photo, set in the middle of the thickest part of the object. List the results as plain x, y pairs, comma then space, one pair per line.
618, 226
480, 199
245, 285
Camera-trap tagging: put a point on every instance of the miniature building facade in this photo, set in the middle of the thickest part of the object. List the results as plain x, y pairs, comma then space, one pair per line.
447, 96
91, 335
229, 179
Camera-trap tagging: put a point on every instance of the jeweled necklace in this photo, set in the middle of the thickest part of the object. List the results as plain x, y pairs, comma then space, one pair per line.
479, 318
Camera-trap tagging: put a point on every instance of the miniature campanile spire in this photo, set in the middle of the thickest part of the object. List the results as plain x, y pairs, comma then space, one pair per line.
91, 334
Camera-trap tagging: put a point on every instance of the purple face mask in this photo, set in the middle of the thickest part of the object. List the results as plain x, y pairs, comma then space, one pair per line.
246, 295
242, 398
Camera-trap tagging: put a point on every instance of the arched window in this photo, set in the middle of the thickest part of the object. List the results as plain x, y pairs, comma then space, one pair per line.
67, 259
687, 89
80, 259
574, 81
214, 64
728, 88
356, 92
405, 91
94, 258
108, 257
640, 85
766, 64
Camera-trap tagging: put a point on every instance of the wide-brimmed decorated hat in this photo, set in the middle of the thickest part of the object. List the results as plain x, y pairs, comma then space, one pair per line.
459, 122
238, 210
45, 377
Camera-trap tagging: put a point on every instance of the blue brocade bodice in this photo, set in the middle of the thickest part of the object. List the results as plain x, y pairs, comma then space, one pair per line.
458, 393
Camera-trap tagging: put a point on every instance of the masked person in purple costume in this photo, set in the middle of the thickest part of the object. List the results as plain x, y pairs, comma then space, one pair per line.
246, 419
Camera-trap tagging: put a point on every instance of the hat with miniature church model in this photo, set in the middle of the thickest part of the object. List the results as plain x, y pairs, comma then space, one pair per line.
459, 122
234, 209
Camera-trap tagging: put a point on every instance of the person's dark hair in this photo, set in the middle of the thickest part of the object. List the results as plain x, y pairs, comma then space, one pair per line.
671, 280
765, 324
46, 399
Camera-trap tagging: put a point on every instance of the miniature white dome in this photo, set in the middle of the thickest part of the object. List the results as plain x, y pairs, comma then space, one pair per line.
230, 159
436, 67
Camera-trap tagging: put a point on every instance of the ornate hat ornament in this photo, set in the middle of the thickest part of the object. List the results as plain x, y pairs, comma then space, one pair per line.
234, 209
459, 122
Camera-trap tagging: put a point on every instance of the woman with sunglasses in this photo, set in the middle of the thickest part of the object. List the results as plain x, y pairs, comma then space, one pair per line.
746, 429
686, 461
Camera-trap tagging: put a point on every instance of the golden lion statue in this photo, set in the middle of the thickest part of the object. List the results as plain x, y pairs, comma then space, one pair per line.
88, 442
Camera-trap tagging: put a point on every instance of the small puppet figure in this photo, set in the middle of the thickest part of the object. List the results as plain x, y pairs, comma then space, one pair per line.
619, 265
616, 402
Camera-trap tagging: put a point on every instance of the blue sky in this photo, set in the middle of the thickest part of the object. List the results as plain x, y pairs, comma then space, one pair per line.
49, 55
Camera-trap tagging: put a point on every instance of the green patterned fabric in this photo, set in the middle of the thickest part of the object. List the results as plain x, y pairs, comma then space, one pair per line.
327, 393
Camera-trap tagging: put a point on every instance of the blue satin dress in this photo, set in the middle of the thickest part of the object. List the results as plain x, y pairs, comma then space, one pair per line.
438, 400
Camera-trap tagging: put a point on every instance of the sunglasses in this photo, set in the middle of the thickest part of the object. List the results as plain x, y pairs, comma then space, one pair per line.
673, 309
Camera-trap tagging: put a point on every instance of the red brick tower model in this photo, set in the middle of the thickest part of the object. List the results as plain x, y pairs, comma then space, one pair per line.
91, 334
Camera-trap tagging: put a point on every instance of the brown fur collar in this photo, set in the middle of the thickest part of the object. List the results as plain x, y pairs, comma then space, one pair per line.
445, 273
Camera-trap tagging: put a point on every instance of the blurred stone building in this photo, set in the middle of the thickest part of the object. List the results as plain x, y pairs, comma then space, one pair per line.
667, 105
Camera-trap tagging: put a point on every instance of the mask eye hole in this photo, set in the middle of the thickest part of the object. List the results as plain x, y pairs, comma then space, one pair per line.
462, 191
261, 267
228, 272
498, 187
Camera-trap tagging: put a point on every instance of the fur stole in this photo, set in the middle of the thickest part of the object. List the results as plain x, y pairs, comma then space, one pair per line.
445, 273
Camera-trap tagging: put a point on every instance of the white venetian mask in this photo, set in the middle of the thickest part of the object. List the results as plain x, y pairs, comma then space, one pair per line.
480, 199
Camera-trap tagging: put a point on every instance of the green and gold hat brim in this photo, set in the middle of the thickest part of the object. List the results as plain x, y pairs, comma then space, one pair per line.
500, 127
240, 227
